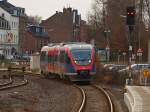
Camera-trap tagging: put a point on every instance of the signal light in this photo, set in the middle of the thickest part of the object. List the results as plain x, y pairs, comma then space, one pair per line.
130, 15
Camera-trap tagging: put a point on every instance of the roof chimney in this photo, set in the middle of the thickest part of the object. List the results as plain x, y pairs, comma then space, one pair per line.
64, 10
69, 9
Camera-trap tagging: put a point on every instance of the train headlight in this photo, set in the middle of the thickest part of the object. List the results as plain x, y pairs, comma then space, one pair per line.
75, 62
90, 61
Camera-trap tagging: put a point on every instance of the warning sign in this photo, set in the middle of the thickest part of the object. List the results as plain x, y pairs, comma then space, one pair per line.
146, 72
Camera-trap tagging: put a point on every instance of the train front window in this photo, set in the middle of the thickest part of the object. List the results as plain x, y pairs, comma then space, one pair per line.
81, 54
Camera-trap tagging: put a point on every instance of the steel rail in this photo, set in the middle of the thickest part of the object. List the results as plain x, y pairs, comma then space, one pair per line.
107, 96
7, 83
83, 98
25, 81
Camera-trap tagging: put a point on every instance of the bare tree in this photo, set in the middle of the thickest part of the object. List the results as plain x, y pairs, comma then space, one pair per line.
34, 19
95, 18
106, 15
146, 11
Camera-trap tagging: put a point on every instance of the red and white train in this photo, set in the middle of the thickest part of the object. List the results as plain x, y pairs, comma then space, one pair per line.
72, 60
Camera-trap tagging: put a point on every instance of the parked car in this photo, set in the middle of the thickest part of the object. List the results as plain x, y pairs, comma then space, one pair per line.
107, 67
135, 68
9, 57
116, 67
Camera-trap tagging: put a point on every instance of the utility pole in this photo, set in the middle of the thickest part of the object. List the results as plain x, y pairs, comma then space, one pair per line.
139, 26
106, 32
130, 22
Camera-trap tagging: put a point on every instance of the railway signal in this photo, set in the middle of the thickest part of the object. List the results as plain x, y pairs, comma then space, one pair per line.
130, 15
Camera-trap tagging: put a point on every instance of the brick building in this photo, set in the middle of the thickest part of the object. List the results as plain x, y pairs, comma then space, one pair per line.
65, 26
32, 37
22, 32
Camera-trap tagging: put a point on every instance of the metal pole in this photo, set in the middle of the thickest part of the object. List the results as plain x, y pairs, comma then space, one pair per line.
130, 48
139, 26
130, 55
145, 81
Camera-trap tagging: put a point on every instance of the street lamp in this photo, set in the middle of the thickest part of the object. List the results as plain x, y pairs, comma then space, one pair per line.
124, 56
107, 45
107, 53
107, 37
119, 55
139, 54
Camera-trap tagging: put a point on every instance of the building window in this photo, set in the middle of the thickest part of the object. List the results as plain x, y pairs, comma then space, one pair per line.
0, 23
4, 37
37, 29
4, 24
7, 25
43, 29
15, 12
3, 15
12, 24
1, 40
16, 39
13, 39
16, 24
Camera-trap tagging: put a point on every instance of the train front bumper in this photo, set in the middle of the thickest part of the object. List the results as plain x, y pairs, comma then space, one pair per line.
81, 77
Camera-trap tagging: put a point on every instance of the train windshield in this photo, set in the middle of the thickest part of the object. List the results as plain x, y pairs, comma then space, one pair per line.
81, 54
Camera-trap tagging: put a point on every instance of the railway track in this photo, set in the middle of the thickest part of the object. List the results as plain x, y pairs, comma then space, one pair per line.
6, 82
13, 82
93, 99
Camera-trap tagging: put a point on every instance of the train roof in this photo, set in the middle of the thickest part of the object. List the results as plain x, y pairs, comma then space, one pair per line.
70, 45
45, 48
79, 46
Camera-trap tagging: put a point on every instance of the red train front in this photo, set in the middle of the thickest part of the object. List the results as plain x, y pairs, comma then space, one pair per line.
72, 60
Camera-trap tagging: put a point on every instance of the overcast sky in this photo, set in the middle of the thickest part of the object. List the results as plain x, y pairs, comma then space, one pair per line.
46, 8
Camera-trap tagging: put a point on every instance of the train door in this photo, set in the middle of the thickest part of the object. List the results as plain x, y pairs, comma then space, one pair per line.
50, 62
55, 61
43, 61
46, 61
58, 63
61, 61
64, 61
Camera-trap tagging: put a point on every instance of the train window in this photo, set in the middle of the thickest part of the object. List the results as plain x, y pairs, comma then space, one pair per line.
54, 58
67, 59
43, 54
62, 56
81, 54
50, 59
